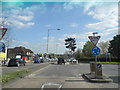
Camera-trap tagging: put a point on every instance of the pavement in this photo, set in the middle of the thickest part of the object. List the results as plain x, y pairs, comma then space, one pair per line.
92, 78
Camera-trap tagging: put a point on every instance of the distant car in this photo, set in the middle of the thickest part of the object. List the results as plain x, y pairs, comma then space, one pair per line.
16, 62
61, 60
21, 62
74, 61
37, 61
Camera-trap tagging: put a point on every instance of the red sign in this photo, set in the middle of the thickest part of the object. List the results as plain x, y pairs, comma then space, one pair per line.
2, 32
94, 39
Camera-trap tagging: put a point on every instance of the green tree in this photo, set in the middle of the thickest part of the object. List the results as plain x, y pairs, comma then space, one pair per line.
87, 49
78, 54
104, 46
114, 47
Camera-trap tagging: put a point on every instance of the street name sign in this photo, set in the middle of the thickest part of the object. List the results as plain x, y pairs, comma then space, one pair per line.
95, 50
94, 39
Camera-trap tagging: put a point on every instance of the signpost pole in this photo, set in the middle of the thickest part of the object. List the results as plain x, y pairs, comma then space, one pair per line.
96, 58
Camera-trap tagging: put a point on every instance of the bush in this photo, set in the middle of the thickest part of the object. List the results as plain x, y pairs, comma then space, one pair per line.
87, 60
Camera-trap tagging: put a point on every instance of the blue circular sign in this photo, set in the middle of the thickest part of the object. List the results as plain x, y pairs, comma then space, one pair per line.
95, 50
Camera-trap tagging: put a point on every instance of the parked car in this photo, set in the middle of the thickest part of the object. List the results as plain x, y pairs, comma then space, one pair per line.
37, 61
16, 62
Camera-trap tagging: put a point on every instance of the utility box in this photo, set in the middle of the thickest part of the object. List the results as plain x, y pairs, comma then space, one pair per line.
92, 67
98, 72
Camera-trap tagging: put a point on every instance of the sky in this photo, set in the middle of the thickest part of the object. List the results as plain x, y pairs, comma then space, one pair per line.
28, 22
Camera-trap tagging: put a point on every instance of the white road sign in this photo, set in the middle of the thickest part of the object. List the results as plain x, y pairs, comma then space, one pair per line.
94, 39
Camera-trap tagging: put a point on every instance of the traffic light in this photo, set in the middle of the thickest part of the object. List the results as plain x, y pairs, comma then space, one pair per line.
70, 42
67, 46
73, 48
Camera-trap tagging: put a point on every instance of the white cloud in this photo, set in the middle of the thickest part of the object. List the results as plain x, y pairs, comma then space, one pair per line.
79, 36
48, 25
20, 25
51, 39
102, 25
70, 5
107, 32
22, 17
104, 12
25, 18
106, 15
74, 25
70, 35
24, 42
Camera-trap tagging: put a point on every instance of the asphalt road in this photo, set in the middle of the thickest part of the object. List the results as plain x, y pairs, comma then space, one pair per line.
67, 75
76, 70
29, 65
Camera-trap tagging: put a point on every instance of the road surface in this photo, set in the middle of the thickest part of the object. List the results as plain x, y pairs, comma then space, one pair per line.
65, 76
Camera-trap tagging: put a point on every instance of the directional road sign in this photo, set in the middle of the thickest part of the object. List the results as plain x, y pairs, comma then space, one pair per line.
94, 39
99, 65
95, 50
2, 47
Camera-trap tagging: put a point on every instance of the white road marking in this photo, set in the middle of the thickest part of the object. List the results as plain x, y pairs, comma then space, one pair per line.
31, 75
51, 84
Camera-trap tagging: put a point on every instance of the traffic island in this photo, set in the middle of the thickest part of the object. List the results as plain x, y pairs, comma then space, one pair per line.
96, 74
92, 78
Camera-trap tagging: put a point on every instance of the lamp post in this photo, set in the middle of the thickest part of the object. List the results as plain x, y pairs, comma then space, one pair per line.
48, 39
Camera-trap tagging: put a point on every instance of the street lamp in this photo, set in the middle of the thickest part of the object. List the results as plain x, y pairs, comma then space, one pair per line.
48, 38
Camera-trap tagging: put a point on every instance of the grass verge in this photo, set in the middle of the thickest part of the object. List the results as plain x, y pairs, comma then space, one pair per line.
110, 62
12, 75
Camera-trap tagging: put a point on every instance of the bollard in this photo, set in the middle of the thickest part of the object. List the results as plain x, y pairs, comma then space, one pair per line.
92, 67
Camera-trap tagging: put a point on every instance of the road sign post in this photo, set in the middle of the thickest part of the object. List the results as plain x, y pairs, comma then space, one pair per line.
95, 50
95, 67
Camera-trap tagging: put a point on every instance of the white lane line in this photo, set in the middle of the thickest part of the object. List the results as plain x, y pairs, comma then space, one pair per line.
42, 88
51, 84
60, 87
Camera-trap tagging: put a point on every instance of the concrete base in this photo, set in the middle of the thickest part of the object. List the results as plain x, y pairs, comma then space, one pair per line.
92, 78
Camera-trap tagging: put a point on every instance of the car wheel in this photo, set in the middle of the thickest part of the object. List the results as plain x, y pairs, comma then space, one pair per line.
24, 64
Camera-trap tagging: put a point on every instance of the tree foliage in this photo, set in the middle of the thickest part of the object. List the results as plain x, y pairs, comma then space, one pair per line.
114, 47
87, 49
78, 54
104, 46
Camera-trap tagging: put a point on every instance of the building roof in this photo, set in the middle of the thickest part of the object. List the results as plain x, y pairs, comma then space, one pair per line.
21, 49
